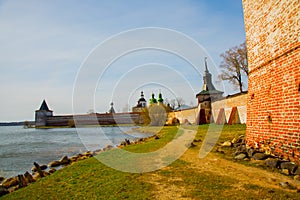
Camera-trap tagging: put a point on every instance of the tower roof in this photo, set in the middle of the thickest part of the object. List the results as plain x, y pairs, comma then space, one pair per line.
142, 99
208, 87
160, 99
153, 100
44, 106
111, 110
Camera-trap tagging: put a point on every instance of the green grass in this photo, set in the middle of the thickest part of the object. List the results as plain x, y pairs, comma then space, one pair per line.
90, 179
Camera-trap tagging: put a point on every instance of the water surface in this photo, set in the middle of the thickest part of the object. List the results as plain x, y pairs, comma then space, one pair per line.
20, 147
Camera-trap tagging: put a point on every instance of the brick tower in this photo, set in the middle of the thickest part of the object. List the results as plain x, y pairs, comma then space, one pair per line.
273, 109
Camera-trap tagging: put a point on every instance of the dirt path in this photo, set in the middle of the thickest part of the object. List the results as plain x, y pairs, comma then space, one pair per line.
173, 186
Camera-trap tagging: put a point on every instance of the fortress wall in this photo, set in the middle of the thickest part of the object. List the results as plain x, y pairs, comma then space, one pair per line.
93, 119
187, 115
239, 101
273, 105
191, 115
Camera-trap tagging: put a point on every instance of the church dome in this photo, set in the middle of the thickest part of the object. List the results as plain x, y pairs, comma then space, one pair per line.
160, 99
153, 100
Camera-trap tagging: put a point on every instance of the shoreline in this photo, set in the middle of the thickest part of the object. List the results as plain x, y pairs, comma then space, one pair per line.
215, 177
11, 184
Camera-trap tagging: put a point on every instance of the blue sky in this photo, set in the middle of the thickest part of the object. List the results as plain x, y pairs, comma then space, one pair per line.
44, 43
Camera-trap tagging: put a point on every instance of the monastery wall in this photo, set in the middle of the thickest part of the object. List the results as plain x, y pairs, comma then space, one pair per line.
228, 104
235, 108
273, 105
186, 116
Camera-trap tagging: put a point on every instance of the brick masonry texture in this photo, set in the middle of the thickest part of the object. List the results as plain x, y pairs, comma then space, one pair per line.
273, 105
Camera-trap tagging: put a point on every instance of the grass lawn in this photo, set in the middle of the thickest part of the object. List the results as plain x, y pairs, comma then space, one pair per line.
216, 176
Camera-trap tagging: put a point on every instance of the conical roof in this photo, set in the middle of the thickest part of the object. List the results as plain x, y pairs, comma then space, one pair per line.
111, 110
44, 106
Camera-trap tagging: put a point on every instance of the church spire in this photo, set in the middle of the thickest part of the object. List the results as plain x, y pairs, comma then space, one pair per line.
207, 81
111, 110
206, 69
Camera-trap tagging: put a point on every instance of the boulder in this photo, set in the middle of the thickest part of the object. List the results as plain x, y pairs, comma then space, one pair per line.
28, 177
1, 179
55, 163
240, 156
22, 181
297, 172
292, 167
285, 171
46, 173
260, 156
52, 170
36, 177
65, 160
43, 167
88, 154
234, 140
220, 150
3, 190
272, 162
197, 140
227, 144
97, 151
12, 189
122, 144
33, 169
251, 152
74, 158
241, 149
10, 182
127, 141
193, 144
108, 147
284, 184
297, 178
238, 139
38, 169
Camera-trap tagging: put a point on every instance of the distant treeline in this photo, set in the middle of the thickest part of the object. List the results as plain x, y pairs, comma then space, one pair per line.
15, 123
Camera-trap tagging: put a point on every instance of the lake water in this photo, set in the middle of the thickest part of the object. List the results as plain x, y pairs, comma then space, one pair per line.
20, 147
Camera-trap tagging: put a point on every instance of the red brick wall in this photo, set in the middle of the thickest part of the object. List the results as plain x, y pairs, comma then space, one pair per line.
273, 43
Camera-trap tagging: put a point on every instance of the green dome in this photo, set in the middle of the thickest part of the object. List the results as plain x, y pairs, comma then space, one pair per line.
153, 100
160, 99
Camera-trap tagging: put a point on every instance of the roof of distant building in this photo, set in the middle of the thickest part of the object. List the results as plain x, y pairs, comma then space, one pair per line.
183, 107
44, 106
208, 88
160, 99
111, 110
153, 100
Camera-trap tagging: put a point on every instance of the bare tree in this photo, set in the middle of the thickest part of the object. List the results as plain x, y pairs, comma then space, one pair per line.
173, 103
180, 101
176, 102
235, 65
